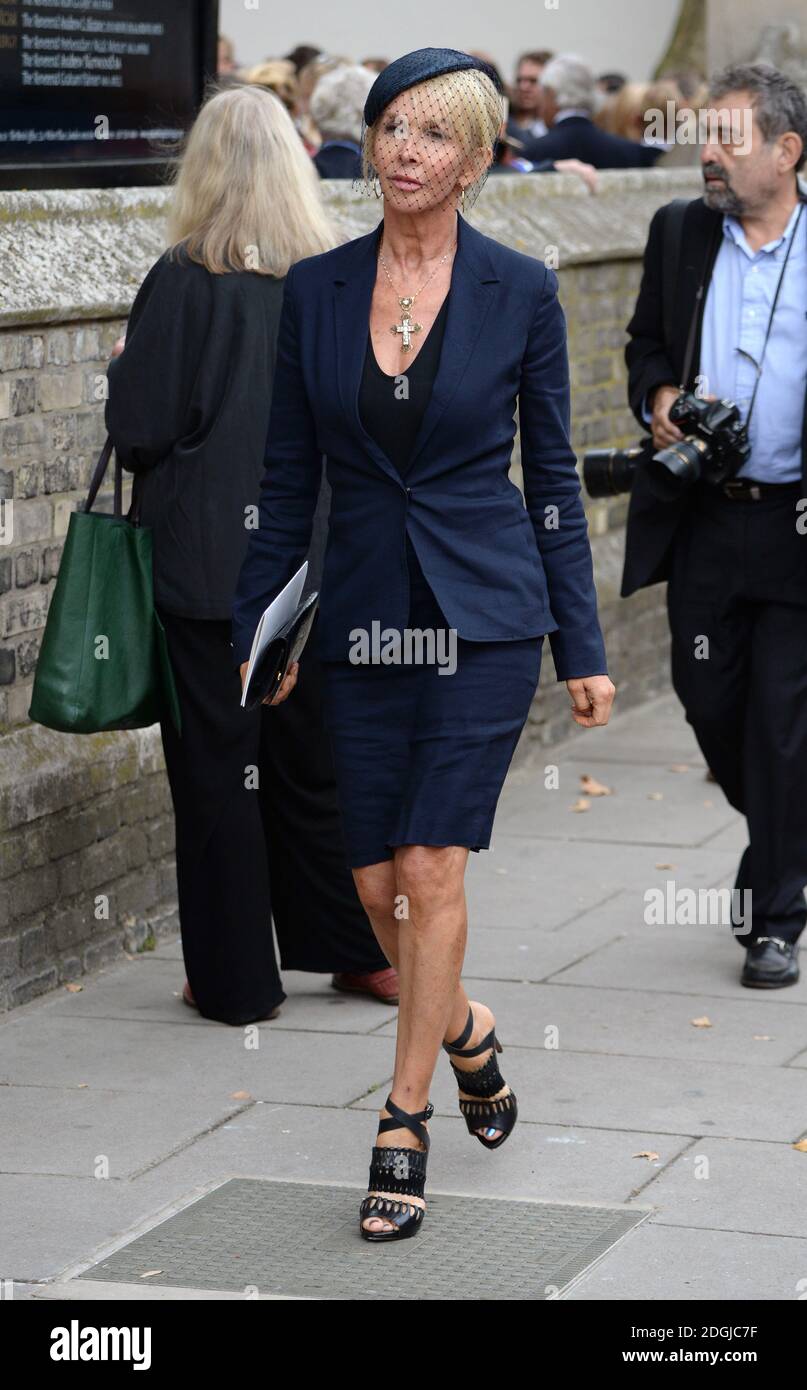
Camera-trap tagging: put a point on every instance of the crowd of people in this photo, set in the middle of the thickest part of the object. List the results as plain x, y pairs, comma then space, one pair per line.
560, 115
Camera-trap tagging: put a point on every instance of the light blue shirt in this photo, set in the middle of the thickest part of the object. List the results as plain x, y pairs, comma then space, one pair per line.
735, 319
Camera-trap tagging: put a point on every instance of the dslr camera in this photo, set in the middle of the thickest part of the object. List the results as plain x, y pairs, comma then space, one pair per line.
715, 446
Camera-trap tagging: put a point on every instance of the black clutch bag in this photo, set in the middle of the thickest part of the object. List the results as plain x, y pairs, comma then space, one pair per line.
280, 653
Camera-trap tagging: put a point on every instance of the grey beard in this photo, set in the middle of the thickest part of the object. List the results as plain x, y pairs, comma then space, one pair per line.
723, 200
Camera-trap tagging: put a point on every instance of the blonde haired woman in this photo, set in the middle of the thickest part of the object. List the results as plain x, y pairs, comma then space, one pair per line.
188, 408
403, 355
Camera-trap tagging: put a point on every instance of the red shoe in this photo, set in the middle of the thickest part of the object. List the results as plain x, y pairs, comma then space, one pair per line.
188, 998
381, 984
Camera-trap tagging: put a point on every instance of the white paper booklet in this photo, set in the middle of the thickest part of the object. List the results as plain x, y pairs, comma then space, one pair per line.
273, 618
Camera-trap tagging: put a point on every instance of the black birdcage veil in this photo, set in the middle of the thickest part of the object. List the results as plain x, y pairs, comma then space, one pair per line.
433, 141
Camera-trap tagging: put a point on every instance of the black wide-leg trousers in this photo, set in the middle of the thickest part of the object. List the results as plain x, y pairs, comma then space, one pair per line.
258, 832
737, 604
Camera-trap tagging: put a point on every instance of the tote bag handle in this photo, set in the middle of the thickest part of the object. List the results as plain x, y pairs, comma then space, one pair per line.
98, 478
101, 466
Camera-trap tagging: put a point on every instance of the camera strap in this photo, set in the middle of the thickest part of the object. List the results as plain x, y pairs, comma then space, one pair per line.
699, 294
773, 311
672, 234
693, 325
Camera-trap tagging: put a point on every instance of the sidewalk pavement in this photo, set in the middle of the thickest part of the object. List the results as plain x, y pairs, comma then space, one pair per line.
629, 1102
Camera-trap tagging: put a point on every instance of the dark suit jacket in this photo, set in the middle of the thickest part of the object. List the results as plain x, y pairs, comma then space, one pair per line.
499, 570
656, 357
576, 137
337, 161
188, 409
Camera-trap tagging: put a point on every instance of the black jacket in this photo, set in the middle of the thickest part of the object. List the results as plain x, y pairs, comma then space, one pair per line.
577, 137
188, 411
655, 356
335, 160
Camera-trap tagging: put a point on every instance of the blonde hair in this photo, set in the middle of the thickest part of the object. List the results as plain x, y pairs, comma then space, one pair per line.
471, 105
246, 194
625, 113
280, 76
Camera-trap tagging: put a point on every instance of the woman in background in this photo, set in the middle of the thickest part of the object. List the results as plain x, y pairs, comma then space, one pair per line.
189, 400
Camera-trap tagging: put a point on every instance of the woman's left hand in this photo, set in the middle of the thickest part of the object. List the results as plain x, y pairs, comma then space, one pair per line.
592, 697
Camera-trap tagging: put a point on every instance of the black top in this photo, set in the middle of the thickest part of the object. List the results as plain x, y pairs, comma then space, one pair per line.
392, 419
188, 411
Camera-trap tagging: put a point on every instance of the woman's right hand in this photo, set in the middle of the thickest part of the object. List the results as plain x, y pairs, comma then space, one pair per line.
286, 685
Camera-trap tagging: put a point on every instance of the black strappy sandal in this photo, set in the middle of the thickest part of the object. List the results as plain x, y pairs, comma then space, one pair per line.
400, 1170
485, 1081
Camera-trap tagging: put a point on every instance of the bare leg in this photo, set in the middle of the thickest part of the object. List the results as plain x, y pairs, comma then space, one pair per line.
416, 905
381, 897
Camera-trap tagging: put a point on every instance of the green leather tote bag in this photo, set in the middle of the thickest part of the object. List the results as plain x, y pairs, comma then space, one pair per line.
104, 661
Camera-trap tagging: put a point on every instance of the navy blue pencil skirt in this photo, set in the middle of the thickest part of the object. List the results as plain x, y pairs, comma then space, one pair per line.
420, 757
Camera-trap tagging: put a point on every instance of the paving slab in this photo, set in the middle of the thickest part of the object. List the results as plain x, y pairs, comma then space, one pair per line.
690, 1129
668, 1262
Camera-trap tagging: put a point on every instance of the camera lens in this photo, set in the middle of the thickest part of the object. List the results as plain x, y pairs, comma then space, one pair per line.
609, 472
671, 471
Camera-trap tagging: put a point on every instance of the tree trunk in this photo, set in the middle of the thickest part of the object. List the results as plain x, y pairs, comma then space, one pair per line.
686, 51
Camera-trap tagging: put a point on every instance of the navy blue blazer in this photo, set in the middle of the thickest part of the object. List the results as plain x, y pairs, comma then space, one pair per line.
499, 570
577, 137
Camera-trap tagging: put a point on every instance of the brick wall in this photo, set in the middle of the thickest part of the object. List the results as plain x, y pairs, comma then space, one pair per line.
86, 831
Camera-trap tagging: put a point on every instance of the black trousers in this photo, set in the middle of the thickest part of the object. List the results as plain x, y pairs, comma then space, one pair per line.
737, 604
258, 832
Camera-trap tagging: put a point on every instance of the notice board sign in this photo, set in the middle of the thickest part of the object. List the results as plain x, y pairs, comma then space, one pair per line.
95, 93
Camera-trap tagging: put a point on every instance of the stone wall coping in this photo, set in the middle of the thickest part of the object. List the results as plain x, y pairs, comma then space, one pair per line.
68, 255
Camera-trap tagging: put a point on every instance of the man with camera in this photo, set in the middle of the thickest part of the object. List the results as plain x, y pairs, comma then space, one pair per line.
717, 364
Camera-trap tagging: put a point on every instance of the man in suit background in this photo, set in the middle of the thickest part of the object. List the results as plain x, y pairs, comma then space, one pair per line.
336, 108
570, 98
525, 121
735, 554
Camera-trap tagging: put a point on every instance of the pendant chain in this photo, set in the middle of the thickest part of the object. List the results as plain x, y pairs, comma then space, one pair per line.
410, 298
406, 327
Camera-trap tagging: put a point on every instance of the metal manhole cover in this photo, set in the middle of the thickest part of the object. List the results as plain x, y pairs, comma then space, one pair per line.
302, 1240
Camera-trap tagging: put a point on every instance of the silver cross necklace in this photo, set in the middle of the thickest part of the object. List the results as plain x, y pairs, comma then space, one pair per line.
406, 327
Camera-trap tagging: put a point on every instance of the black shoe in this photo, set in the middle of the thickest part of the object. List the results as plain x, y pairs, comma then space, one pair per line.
770, 963
397, 1170
485, 1081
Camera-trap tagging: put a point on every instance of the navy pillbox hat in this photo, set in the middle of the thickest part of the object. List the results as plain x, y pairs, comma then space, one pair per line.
416, 67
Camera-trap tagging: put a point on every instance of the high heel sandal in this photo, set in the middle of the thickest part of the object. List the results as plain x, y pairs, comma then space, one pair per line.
485, 1081
396, 1169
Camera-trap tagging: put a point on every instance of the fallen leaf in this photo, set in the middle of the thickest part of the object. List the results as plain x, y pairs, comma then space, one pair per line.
655, 796
592, 787
701, 1022
665, 866
581, 804
708, 803
646, 1153
679, 767
240, 1095
149, 1272
762, 1037
801, 1146
74, 989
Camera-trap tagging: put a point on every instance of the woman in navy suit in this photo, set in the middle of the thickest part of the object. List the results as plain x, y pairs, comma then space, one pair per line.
401, 357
